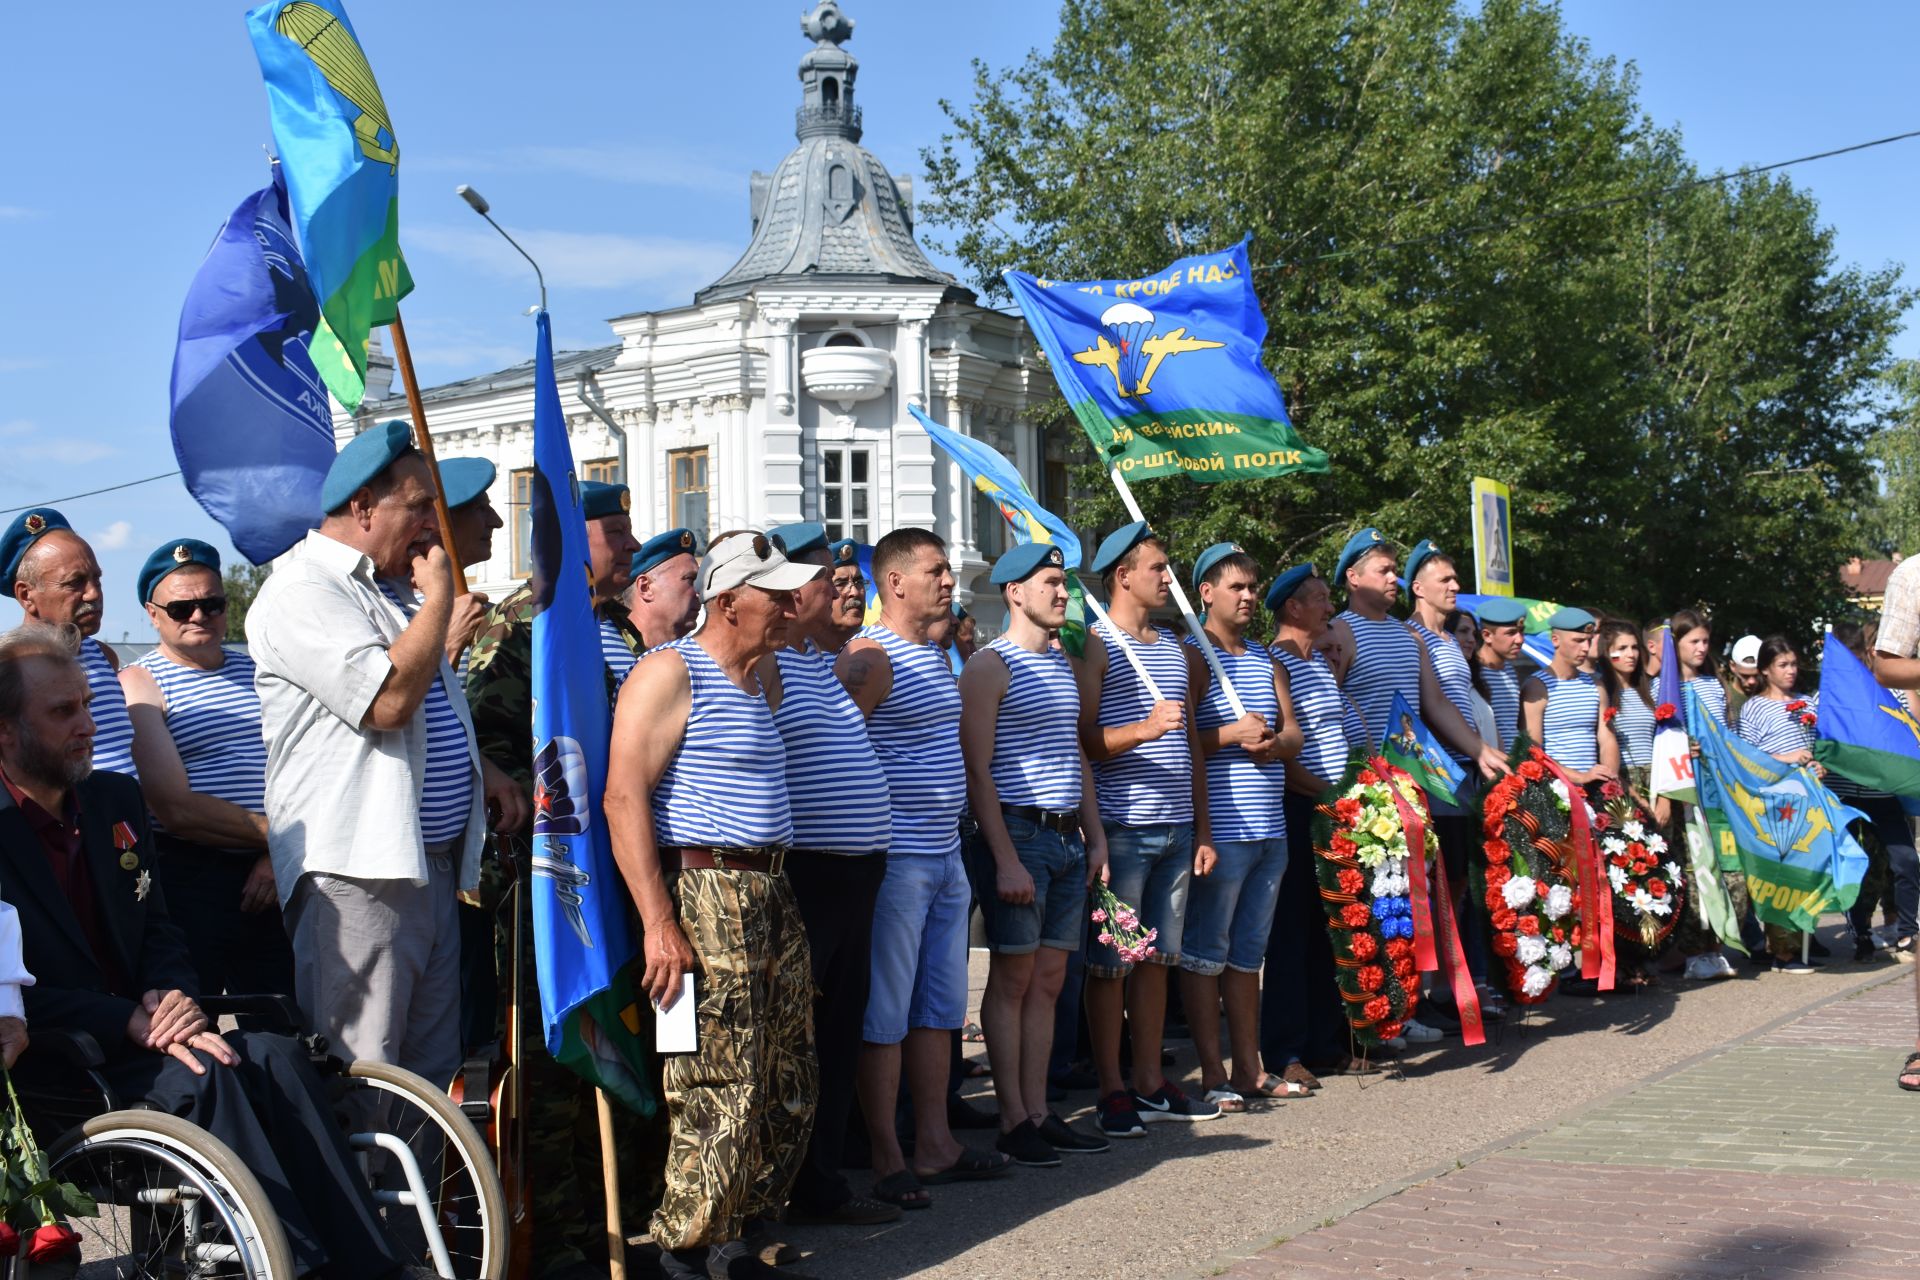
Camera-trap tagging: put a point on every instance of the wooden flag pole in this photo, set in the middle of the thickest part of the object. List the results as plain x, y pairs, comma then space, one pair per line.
423, 441
1126, 648
610, 1174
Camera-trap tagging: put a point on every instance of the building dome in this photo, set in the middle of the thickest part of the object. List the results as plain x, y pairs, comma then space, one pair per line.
830, 213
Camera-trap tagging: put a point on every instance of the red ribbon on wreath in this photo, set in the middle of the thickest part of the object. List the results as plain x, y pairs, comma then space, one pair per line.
1425, 956
1596, 961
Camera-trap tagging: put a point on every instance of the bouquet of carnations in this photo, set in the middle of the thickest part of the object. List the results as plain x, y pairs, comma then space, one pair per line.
33, 1207
1360, 842
1649, 888
1119, 926
1527, 876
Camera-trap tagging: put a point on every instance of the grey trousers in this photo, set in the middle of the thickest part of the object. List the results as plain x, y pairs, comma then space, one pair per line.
376, 966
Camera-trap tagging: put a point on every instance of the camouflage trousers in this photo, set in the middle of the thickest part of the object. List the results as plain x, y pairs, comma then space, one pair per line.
740, 1106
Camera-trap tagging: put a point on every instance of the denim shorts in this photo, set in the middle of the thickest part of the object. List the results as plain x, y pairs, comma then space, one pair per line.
1230, 909
1057, 916
1149, 869
919, 948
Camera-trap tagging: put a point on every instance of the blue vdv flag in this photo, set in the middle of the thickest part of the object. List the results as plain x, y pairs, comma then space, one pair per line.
1412, 746
996, 477
250, 422
1864, 732
582, 940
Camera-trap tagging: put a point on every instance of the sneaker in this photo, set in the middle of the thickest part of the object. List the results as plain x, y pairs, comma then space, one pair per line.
1024, 1143
1704, 968
1417, 1032
1397, 1043
1069, 1141
1723, 966
1792, 966
1168, 1103
1118, 1118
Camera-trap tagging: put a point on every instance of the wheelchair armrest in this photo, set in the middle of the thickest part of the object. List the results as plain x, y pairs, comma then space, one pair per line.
278, 1013
75, 1050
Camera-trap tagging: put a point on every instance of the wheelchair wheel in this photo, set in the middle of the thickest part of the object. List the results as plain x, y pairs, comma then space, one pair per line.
467, 1203
174, 1202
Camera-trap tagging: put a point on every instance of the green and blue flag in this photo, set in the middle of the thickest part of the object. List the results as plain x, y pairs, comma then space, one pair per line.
342, 162
1863, 733
1164, 373
582, 940
1411, 746
1789, 831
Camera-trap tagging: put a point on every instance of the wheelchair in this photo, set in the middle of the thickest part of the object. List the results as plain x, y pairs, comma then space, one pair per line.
176, 1202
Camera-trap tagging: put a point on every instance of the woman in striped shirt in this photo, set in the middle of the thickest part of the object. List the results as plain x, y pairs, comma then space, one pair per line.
1626, 698
1778, 721
1693, 648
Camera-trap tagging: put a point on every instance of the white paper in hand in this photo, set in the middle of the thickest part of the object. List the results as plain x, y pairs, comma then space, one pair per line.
674, 1028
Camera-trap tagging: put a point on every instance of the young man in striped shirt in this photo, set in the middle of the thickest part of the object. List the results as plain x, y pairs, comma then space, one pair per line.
1039, 847
1503, 629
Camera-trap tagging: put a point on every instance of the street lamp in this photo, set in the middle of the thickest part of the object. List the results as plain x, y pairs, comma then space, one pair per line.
478, 203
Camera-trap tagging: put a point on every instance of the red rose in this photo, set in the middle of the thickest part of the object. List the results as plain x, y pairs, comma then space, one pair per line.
9, 1241
1611, 790
1665, 711
1363, 946
1641, 868
1376, 1008
1606, 717
1498, 851
1351, 881
1602, 820
51, 1243
1371, 976
1347, 809
1529, 925
1658, 888
1533, 770
1355, 915
1369, 778
1504, 944
1497, 876
1797, 704
1344, 847
1504, 919
1576, 937
1559, 934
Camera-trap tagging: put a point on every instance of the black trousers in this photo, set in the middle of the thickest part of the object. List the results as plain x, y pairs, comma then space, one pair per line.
235, 952
1300, 1012
272, 1110
836, 893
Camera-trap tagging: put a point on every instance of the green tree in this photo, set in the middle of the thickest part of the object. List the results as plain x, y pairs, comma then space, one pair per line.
1893, 522
241, 582
1462, 276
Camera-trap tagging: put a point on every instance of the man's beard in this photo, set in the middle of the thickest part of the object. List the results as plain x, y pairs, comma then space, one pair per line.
47, 763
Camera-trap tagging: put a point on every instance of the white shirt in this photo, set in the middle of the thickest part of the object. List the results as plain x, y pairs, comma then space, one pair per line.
13, 965
342, 799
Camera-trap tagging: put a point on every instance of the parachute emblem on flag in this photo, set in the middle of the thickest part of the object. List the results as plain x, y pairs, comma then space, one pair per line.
1135, 351
560, 771
326, 40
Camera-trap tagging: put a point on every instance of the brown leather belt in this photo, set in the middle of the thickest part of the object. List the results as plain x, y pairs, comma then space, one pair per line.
766, 859
1065, 822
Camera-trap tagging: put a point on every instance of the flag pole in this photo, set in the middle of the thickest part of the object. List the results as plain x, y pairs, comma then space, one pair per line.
1126, 648
610, 1176
423, 441
1186, 609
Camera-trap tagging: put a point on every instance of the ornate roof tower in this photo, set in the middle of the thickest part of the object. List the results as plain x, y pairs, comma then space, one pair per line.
830, 213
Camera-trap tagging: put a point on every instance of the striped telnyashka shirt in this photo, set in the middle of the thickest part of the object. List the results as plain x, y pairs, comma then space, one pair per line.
213, 718
1244, 799
613, 648
726, 786
1322, 713
446, 792
1036, 741
1713, 695
1570, 722
112, 731
1769, 726
1634, 728
836, 788
1455, 675
1505, 703
1386, 661
916, 733
1153, 783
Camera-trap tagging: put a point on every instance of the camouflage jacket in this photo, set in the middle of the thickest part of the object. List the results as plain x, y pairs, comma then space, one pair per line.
500, 680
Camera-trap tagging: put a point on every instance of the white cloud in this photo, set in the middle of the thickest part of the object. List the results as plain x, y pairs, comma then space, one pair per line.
38, 446
114, 537
585, 259
611, 162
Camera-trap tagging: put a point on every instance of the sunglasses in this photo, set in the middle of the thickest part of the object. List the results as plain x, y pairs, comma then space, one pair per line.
183, 610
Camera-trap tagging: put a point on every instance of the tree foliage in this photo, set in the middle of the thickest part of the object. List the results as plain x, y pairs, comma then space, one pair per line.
1475, 262
241, 582
1893, 523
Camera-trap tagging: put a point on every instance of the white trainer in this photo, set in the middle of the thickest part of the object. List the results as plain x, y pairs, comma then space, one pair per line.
1419, 1032
1722, 969
1702, 968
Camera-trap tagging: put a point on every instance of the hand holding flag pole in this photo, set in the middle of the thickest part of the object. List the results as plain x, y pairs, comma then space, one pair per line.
423, 441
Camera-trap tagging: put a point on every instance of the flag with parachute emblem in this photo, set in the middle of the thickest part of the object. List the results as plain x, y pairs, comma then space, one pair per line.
1164, 372
1408, 744
342, 161
582, 942
1863, 732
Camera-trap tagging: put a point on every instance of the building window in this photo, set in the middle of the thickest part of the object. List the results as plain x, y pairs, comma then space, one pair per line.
846, 493
687, 490
1053, 484
602, 471
522, 503
989, 526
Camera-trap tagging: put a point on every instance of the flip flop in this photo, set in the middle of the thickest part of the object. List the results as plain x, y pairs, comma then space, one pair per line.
972, 1034
1911, 1068
1229, 1102
1273, 1086
1299, 1074
860, 1211
970, 1166
903, 1190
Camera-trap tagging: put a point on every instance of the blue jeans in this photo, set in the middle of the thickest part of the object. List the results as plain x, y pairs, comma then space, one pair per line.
1230, 910
919, 948
1057, 916
1149, 869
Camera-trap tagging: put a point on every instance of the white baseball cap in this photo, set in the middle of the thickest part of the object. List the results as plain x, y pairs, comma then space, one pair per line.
1746, 653
751, 560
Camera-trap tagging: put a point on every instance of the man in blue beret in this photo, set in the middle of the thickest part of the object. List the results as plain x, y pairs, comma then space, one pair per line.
1040, 846
1560, 703
1503, 630
849, 591
471, 515
52, 574
1152, 790
664, 598
197, 737
377, 801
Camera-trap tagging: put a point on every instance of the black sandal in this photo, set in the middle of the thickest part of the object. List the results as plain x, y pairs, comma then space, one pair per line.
1909, 1069
903, 1191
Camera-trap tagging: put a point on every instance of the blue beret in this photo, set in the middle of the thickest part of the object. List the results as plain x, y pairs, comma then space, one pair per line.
1500, 611
599, 499
959, 611
1568, 618
796, 540
1423, 551
465, 479
1114, 548
845, 551
1358, 545
1287, 583
364, 457
1212, 556
1024, 561
26, 529
660, 548
170, 556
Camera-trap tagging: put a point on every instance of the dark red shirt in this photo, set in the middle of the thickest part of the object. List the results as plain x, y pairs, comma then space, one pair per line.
65, 848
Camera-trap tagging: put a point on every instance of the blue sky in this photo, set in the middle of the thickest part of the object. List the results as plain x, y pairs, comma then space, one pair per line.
616, 140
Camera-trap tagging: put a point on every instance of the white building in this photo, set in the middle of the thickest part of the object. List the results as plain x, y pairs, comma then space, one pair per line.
781, 393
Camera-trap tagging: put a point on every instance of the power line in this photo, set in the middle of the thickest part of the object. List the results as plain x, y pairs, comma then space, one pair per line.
75, 497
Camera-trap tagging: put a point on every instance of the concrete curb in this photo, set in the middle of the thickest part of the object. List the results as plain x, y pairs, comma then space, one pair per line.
1300, 1226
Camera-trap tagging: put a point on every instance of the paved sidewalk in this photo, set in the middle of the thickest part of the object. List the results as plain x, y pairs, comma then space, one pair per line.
1785, 1153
